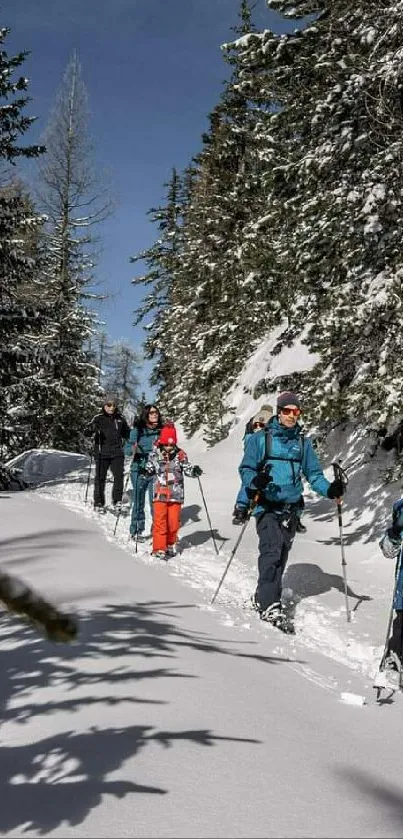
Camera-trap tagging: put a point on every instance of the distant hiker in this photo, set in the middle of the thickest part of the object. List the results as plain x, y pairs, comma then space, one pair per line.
110, 430
168, 464
241, 509
144, 434
256, 423
270, 471
390, 545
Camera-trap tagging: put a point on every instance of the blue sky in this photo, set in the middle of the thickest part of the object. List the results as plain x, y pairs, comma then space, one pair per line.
153, 70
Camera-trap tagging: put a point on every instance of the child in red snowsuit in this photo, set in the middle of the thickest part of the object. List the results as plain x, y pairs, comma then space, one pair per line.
168, 463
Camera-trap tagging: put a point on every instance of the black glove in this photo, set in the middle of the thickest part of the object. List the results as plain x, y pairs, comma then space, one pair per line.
260, 482
336, 489
196, 472
239, 515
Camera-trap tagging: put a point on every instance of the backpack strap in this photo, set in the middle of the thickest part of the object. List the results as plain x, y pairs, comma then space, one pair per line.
268, 446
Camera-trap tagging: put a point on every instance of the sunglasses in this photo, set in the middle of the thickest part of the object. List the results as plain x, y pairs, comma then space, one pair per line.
295, 412
110, 405
259, 424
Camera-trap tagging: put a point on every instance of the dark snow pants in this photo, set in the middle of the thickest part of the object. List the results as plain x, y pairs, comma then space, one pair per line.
275, 533
142, 486
116, 465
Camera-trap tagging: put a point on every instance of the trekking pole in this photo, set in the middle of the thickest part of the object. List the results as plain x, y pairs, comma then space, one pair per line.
340, 475
135, 501
235, 548
120, 511
207, 514
88, 479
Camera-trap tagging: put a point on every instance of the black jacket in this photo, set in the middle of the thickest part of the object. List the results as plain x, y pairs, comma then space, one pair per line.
110, 432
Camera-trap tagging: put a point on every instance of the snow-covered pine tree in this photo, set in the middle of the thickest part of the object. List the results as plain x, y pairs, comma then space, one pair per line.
22, 310
211, 317
73, 200
338, 187
162, 262
120, 376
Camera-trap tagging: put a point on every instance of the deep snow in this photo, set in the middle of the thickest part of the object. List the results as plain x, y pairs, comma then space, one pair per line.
173, 717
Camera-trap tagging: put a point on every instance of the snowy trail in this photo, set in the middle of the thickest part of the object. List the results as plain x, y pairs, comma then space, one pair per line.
166, 719
314, 573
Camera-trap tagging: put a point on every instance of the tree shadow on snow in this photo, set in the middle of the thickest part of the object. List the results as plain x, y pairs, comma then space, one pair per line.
378, 794
308, 580
24, 550
120, 653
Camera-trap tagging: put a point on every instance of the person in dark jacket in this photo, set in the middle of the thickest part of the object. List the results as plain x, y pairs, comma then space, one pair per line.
275, 487
144, 434
110, 430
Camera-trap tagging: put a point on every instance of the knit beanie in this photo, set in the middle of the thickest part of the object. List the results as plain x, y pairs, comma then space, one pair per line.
168, 436
110, 397
287, 398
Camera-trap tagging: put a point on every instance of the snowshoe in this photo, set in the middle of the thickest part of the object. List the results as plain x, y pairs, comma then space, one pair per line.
281, 615
272, 614
255, 604
159, 555
388, 676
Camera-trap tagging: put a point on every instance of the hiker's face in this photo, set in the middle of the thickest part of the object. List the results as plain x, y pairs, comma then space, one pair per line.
289, 416
153, 416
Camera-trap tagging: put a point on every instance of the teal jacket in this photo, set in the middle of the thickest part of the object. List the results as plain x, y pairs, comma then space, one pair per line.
288, 461
145, 438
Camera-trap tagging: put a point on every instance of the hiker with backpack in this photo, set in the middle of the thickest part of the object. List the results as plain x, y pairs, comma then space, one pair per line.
143, 436
271, 472
241, 509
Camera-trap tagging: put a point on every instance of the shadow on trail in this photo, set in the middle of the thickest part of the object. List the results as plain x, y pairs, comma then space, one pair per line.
200, 537
378, 795
121, 651
308, 580
190, 513
24, 550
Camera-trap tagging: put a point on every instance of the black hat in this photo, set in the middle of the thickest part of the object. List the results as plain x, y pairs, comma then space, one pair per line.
287, 398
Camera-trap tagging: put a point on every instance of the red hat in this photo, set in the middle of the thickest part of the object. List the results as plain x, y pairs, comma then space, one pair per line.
168, 435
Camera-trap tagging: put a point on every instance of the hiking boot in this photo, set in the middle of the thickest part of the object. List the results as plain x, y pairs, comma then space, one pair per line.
171, 551
117, 507
99, 508
300, 527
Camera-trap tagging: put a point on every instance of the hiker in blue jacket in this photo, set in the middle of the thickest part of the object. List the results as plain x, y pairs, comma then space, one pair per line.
144, 434
241, 509
391, 546
271, 472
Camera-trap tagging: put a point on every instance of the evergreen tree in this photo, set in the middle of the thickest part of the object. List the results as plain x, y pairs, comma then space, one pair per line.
121, 363
22, 313
162, 277
74, 203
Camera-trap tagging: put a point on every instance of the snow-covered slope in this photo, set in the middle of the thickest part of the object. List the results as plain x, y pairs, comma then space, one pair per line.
314, 571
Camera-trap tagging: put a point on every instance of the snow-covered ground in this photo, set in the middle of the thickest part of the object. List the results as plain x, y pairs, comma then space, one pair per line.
108, 736
314, 571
